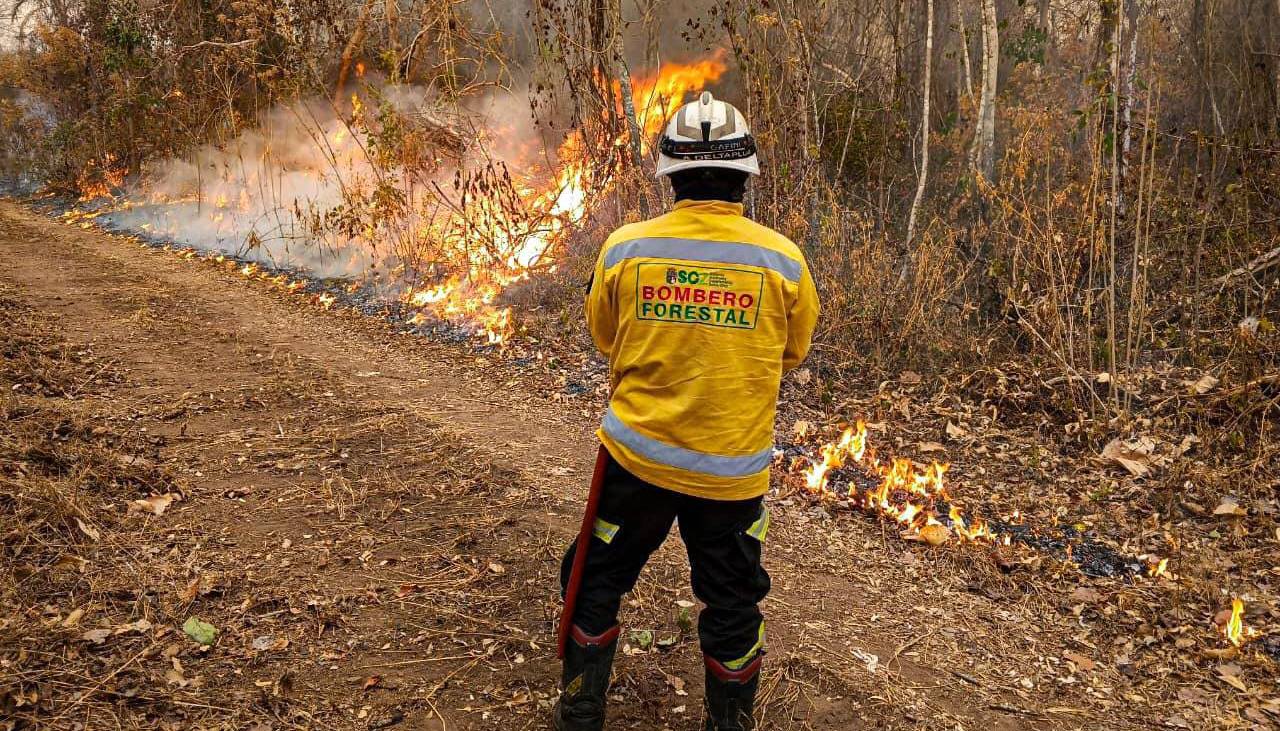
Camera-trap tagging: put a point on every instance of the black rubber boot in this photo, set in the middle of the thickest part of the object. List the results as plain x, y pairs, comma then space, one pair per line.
585, 680
731, 696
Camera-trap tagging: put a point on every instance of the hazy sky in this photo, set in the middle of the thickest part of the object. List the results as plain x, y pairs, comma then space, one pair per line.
8, 26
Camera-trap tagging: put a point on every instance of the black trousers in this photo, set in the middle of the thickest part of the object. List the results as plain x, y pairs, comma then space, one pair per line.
723, 538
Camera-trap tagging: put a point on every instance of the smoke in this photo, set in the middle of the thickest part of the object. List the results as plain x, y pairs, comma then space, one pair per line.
313, 188
251, 197
24, 122
301, 190
439, 206
264, 226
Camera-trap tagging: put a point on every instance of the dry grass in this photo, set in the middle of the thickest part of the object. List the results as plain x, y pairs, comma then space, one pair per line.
397, 586
70, 550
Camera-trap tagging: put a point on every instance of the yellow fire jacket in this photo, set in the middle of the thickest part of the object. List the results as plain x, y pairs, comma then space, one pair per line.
700, 312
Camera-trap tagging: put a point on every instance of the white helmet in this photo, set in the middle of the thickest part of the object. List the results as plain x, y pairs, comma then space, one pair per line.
707, 133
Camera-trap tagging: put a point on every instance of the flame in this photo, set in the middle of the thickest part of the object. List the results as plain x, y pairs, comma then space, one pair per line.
852, 444
549, 212
1235, 626
100, 178
913, 495
508, 222
658, 96
904, 491
1235, 630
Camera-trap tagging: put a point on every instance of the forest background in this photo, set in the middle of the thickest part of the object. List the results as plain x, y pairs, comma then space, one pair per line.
1077, 198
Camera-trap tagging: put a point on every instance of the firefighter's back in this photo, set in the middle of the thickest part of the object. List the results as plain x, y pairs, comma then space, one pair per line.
700, 310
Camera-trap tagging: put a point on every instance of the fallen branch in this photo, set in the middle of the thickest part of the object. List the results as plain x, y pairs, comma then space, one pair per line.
1270, 379
1259, 263
220, 44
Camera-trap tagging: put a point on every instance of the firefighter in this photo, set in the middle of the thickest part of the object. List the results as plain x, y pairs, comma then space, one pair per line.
699, 311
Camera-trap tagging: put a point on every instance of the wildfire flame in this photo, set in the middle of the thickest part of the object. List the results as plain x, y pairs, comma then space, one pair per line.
557, 207
1235, 630
908, 493
913, 495
1157, 567
100, 179
302, 172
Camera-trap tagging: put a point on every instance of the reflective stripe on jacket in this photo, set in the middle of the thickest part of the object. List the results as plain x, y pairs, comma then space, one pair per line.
700, 312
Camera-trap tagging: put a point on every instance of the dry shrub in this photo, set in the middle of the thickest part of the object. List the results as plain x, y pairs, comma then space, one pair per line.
881, 312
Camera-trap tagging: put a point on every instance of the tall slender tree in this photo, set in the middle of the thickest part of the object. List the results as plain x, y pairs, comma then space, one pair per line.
924, 123
982, 154
964, 49
628, 100
1130, 83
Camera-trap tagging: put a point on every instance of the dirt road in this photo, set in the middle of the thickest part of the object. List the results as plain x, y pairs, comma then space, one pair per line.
373, 522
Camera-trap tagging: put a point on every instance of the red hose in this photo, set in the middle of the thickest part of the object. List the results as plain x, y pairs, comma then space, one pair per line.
580, 551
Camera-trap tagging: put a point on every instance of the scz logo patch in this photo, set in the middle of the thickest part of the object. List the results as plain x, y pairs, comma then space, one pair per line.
696, 295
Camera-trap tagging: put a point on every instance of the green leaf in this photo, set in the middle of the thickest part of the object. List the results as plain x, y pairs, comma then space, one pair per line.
684, 618
200, 631
643, 638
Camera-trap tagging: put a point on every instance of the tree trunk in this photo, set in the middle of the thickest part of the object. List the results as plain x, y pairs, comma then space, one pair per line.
633, 127
982, 154
964, 50
392, 13
349, 52
1202, 27
924, 123
1130, 82
811, 128
1275, 67
628, 101
1112, 103
629, 108
1045, 23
